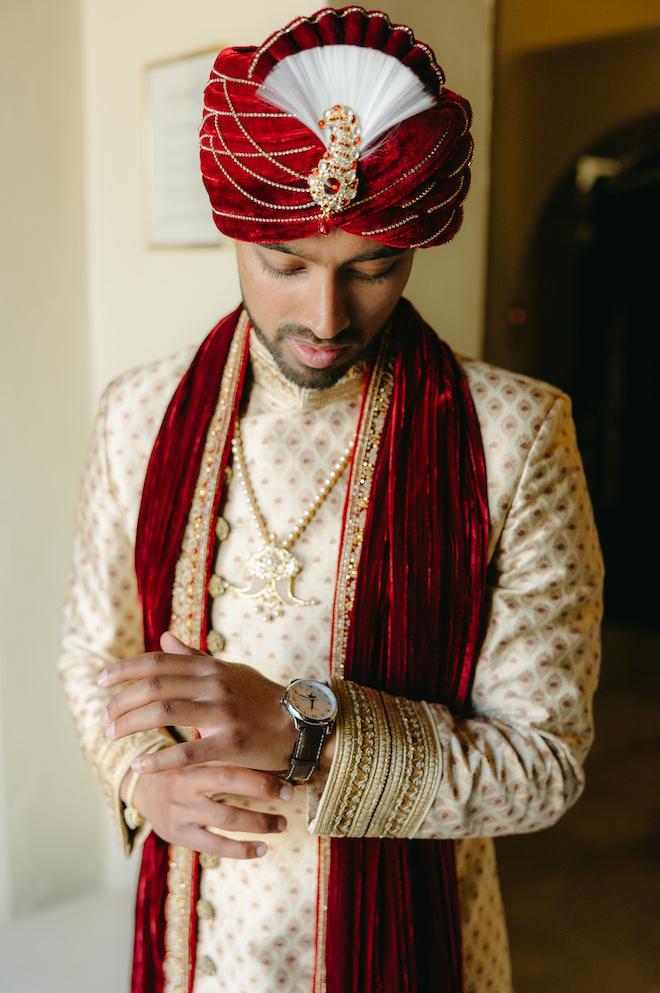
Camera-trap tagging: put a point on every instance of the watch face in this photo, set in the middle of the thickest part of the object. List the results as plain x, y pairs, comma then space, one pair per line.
315, 701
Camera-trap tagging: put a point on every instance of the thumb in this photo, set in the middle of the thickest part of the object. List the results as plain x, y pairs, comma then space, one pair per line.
170, 643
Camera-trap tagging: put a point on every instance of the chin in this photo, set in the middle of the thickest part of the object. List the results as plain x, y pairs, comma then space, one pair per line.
302, 375
311, 379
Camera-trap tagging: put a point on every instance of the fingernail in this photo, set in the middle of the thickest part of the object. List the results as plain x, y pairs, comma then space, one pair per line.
260, 850
281, 824
103, 678
110, 730
286, 792
104, 716
136, 765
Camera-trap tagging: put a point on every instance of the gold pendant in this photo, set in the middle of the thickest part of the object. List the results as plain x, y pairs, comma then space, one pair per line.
274, 569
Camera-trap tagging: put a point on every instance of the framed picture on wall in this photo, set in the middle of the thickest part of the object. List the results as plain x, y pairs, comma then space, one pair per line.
179, 214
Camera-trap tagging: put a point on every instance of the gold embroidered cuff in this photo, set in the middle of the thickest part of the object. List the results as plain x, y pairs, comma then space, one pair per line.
415, 770
386, 770
112, 760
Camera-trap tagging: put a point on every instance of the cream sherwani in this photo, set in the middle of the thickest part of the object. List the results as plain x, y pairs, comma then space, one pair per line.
515, 765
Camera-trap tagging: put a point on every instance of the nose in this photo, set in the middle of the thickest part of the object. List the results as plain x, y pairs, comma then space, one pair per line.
325, 307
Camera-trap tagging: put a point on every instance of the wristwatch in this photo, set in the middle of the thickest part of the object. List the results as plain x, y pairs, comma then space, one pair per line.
313, 707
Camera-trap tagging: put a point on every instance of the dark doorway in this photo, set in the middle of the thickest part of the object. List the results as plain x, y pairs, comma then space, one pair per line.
582, 899
590, 317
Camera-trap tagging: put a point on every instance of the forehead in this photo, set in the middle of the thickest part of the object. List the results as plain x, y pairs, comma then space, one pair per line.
337, 248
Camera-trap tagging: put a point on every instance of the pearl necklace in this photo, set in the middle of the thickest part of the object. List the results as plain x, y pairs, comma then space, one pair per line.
274, 566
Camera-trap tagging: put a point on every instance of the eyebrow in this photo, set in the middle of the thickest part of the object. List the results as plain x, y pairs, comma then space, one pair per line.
386, 252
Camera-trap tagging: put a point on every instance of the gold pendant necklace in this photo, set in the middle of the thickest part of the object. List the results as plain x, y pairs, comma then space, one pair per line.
274, 566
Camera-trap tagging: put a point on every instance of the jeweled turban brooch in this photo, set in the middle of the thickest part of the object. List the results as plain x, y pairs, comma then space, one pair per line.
333, 184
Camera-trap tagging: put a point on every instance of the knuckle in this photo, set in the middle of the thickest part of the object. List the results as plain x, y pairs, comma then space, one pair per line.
154, 683
158, 761
235, 737
227, 816
188, 751
217, 687
269, 787
167, 710
224, 782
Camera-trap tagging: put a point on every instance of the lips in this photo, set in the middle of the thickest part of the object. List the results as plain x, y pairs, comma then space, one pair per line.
313, 356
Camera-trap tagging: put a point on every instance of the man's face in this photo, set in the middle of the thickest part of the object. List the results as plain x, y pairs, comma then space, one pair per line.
319, 303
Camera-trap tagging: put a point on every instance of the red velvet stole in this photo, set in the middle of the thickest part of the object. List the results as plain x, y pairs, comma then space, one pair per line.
166, 497
393, 917
421, 585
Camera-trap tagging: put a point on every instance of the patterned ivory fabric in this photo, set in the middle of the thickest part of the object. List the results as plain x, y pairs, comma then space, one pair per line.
513, 766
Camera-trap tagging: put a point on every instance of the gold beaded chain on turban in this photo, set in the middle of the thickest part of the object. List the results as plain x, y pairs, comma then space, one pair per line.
338, 120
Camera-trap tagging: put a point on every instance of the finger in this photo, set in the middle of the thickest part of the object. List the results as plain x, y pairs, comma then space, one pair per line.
227, 817
153, 664
167, 691
199, 839
220, 747
227, 780
170, 643
167, 713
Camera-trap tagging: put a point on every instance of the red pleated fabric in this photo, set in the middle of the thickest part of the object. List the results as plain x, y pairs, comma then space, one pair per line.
149, 941
171, 476
256, 159
421, 584
168, 490
393, 918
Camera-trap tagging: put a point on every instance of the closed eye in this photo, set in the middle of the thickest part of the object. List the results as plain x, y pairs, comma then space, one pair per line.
277, 273
372, 277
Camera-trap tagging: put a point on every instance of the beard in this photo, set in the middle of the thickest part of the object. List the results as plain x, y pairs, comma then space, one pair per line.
350, 340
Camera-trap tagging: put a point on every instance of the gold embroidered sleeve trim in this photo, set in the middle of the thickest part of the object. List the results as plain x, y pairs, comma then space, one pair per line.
111, 761
386, 770
414, 771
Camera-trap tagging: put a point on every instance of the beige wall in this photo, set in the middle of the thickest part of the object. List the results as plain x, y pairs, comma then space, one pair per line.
448, 283
145, 303
47, 808
83, 298
565, 75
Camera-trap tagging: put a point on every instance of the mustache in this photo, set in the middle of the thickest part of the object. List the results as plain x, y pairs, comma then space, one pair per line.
349, 336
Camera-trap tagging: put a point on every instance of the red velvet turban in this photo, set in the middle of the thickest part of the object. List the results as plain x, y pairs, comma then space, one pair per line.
406, 190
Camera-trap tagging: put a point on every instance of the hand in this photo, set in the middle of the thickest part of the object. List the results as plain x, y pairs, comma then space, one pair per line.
180, 808
235, 708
